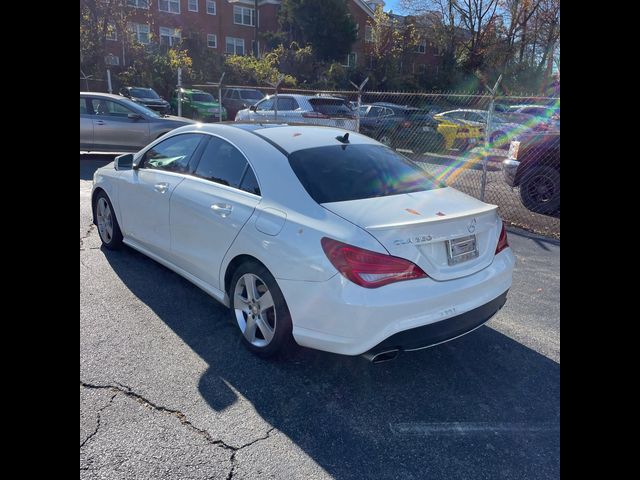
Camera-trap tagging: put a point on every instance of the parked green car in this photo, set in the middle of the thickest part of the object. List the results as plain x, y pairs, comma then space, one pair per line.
197, 104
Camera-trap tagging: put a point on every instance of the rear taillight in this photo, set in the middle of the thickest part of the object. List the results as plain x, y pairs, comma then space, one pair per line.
315, 115
502, 241
366, 268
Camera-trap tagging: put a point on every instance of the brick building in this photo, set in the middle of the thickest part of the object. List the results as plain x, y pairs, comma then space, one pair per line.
233, 27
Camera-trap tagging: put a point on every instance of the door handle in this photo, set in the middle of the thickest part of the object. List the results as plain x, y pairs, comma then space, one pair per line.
222, 209
161, 187
99, 122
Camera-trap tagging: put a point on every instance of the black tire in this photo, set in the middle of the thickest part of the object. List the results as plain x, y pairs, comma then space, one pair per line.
106, 221
277, 317
540, 190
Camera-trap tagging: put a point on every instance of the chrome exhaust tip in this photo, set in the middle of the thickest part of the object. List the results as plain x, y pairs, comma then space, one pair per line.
381, 357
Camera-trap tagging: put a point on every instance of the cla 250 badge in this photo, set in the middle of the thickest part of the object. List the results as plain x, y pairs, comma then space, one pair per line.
414, 240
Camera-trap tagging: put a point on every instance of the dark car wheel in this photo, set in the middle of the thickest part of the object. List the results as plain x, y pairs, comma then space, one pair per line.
106, 221
260, 311
540, 190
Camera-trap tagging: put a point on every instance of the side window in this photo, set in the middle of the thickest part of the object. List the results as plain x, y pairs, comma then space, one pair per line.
374, 112
249, 182
222, 163
173, 154
109, 108
265, 105
83, 106
388, 113
287, 103
236, 95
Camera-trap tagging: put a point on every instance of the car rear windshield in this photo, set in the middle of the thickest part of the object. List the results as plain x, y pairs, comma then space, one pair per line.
330, 106
144, 93
339, 173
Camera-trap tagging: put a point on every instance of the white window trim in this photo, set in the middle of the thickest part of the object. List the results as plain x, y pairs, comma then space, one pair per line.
169, 11
422, 43
189, 7
114, 57
215, 7
136, 5
114, 32
136, 31
368, 29
174, 30
252, 16
355, 60
215, 37
235, 46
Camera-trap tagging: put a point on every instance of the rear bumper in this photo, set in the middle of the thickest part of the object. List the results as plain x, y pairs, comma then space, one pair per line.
341, 317
443, 331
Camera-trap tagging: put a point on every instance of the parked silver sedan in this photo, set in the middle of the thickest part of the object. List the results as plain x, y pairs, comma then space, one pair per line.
112, 123
321, 110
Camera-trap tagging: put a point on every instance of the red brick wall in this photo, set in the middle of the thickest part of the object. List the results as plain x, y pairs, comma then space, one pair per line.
222, 24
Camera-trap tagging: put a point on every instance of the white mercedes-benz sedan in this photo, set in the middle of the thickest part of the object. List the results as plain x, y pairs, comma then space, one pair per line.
310, 235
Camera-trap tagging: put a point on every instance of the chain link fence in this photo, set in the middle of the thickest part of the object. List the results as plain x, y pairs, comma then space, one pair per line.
463, 139
504, 150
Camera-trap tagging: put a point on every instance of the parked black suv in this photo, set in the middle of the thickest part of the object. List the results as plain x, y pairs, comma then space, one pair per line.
533, 165
234, 99
401, 127
147, 97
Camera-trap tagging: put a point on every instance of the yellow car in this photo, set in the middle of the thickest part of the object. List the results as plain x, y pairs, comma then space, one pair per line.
458, 135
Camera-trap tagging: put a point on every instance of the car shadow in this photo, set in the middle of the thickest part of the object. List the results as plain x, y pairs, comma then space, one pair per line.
482, 406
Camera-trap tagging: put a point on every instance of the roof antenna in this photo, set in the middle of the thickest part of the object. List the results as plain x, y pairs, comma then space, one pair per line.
344, 138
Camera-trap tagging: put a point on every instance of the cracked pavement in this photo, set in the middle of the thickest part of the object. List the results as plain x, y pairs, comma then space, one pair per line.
168, 392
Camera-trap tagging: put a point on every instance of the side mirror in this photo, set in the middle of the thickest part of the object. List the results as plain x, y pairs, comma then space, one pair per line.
124, 162
135, 116
253, 108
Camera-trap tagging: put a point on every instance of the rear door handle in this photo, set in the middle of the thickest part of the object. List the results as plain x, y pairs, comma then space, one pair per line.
161, 187
222, 209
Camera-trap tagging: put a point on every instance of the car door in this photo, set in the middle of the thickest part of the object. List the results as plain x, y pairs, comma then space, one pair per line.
209, 209
86, 126
145, 192
288, 110
263, 112
114, 129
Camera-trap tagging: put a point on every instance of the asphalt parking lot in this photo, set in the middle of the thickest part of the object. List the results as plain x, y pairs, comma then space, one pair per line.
168, 392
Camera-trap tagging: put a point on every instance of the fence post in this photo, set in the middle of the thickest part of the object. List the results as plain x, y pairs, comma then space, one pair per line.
275, 101
179, 91
109, 80
220, 97
487, 137
359, 88
86, 78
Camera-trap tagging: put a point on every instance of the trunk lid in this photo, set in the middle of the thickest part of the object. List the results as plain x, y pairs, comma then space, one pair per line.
421, 226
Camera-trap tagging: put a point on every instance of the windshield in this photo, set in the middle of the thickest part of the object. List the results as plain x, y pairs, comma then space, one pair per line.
202, 97
251, 95
339, 173
144, 93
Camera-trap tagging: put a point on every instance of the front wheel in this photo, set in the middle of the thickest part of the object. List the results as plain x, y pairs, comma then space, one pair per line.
260, 311
106, 221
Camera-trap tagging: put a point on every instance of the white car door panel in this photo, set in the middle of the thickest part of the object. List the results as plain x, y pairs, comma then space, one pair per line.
209, 209
144, 200
145, 193
205, 220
